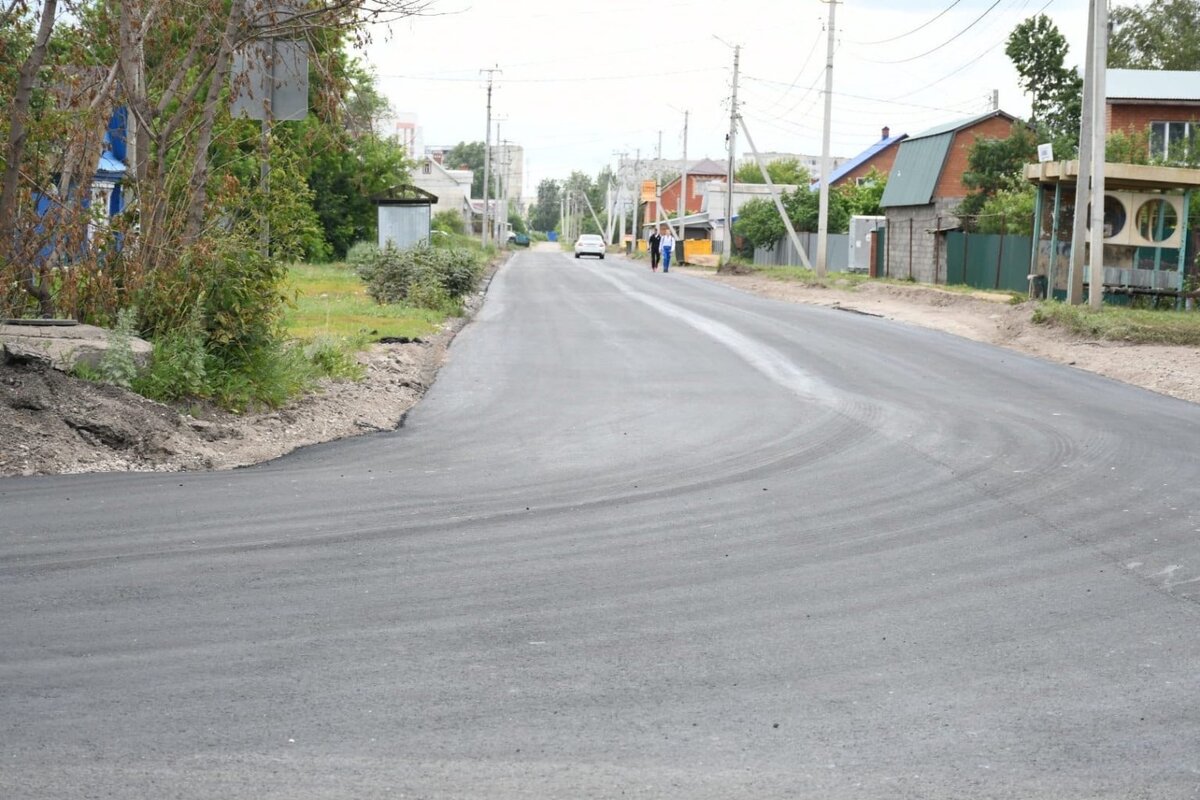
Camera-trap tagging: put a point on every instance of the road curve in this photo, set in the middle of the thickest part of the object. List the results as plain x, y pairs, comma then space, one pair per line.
646, 536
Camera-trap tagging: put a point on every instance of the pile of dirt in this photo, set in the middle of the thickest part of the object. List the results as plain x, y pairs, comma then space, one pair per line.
52, 423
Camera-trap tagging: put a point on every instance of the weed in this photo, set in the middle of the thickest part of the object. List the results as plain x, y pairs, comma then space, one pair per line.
1122, 324
117, 365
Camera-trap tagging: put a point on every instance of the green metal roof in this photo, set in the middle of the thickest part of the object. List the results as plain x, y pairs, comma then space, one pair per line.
914, 176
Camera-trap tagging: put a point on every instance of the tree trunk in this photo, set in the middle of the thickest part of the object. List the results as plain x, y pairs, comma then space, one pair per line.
18, 116
198, 181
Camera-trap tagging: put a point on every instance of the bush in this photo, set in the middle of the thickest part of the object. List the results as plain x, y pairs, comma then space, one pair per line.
360, 253
449, 222
424, 276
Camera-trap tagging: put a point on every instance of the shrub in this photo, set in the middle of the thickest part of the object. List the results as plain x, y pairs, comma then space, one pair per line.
116, 365
360, 253
449, 222
424, 276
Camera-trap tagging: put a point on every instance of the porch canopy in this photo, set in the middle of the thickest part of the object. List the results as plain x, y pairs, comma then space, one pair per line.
1145, 225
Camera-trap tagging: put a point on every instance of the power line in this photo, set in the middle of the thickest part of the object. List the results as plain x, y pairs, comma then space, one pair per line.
975, 22
552, 80
914, 30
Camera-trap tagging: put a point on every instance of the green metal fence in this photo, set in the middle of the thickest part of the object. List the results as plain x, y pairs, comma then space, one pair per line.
988, 261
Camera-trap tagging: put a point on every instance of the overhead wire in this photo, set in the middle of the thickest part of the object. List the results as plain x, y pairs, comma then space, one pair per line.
974, 22
921, 27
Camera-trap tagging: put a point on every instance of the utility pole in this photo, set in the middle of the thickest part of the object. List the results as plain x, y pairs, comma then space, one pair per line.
1083, 179
622, 167
487, 156
826, 166
658, 153
995, 99
683, 180
727, 250
637, 194
1099, 129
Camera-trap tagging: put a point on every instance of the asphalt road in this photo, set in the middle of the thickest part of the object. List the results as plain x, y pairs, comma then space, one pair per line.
646, 537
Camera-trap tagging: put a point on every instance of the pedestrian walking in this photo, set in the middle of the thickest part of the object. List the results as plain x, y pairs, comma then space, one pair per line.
655, 253
666, 243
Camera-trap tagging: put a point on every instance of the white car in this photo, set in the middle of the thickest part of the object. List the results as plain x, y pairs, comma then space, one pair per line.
589, 244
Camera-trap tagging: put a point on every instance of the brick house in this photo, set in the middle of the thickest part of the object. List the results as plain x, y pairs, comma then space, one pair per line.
924, 189
699, 174
879, 156
1163, 105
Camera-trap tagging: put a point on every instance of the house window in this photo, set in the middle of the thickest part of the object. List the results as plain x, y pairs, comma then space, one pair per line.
426, 168
1173, 141
864, 180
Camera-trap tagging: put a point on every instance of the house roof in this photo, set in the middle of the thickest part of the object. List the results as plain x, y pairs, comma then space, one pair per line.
920, 160
706, 166
852, 164
959, 124
1151, 84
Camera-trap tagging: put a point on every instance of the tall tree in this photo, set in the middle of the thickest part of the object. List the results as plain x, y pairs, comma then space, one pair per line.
1164, 34
545, 211
1038, 51
468, 155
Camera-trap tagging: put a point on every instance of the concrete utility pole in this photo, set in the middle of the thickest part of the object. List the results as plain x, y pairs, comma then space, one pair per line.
826, 164
683, 179
487, 156
637, 194
622, 168
1084, 177
727, 249
1099, 129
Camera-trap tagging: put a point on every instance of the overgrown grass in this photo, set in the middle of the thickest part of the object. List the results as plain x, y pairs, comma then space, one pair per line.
1122, 324
332, 301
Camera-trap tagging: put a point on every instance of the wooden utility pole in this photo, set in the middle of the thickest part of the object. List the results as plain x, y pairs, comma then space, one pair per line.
826, 162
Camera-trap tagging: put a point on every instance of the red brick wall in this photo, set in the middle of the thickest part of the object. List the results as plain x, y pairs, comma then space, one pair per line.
670, 195
950, 183
1135, 118
882, 161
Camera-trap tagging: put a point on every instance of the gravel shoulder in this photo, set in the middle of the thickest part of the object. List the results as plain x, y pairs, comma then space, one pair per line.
52, 423
1167, 369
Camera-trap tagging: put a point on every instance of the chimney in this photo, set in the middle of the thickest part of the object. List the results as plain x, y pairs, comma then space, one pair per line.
886, 131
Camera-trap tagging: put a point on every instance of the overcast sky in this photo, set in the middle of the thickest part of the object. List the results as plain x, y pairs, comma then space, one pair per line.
583, 78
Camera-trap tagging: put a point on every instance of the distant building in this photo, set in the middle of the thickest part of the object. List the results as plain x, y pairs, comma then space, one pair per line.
698, 174
1163, 105
404, 129
809, 162
452, 187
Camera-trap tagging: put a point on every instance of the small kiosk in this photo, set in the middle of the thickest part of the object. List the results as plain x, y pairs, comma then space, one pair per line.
1146, 228
404, 216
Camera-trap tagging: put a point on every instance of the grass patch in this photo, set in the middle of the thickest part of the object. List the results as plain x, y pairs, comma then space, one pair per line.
808, 277
1116, 324
332, 301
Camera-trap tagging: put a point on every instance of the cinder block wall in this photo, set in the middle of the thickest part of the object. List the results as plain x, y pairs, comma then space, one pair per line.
910, 230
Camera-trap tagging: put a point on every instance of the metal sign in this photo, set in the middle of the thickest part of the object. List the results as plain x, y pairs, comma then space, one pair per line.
271, 71
648, 192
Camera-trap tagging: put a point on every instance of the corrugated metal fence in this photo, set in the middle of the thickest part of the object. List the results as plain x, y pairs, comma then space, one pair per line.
783, 254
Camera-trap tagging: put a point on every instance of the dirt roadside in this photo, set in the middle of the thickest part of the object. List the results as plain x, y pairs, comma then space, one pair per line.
52, 423
1166, 369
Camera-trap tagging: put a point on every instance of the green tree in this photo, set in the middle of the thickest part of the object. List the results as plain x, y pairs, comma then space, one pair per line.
1164, 34
468, 155
862, 199
786, 171
1038, 51
544, 216
759, 222
995, 165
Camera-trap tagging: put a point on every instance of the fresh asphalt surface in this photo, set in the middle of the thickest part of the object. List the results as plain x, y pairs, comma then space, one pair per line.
648, 537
